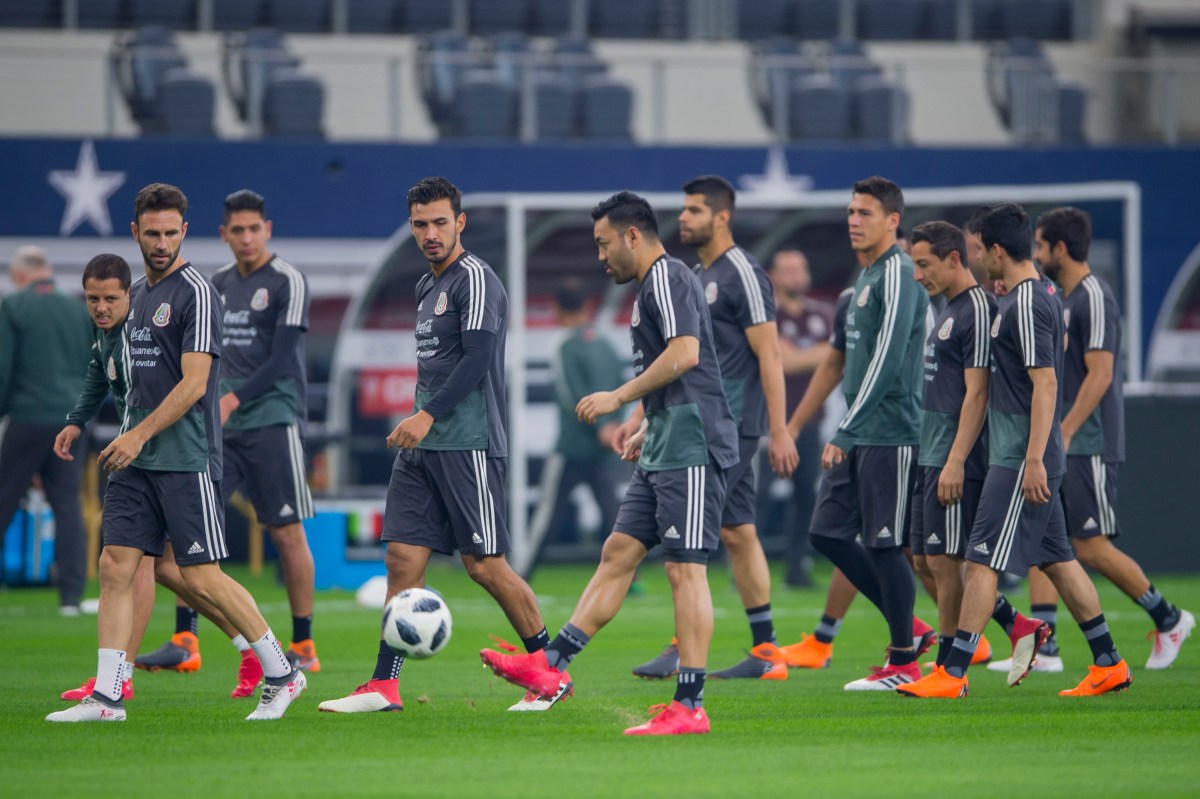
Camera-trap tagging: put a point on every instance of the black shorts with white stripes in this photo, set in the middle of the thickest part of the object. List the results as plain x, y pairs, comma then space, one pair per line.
1089, 493
143, 508
939, 529
447, 500
267, 465
1012, 534
868, 494
679, 508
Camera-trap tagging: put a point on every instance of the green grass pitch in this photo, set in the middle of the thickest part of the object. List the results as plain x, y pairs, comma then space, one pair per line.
804, 737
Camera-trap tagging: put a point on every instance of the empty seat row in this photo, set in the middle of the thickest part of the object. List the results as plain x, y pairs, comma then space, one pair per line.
1032, 102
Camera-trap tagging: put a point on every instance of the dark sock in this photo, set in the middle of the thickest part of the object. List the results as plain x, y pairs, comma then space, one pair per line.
1004, 614
569, 642
762, 629
1165, 614
899, 591
944, 644
961, 652
301, 628
827, 629
689, 688
1049, 614
851, 557
186, 620
536, 642
387, 663
1104, 651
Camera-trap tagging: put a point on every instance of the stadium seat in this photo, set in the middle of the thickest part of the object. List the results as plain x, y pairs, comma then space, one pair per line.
141, 59
1036, 19
775, 64
512, 55
762, 19
186, 102
1016, 74
573, 59
889, 19
941, 20
820, 109
248, 62
986, 24
236, 15
816, 19
177, 15
442, 59
550, 18
1072, 109
498, 16
880, 111
102, 14
849, 63
555, 113
605, 109
30, 14
426, 16
486, 108
297, 16
624, 19
372, 16
293, 105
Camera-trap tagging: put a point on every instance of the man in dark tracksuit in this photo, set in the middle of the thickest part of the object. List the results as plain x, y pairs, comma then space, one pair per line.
45, 345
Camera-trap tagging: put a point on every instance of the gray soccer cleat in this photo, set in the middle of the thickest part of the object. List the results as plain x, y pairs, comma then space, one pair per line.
662, 667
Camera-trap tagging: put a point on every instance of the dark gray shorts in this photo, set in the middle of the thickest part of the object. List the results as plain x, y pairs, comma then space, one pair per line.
868, 494
267, 464
143, 508
741, 499
1089, 492
446, 501
679, 508
1010, 534
939, 529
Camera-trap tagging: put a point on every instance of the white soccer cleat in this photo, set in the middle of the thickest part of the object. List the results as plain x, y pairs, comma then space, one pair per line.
276, 698
90, 709
371, 697
1046, 663
534, 703
1167, 644
886, 678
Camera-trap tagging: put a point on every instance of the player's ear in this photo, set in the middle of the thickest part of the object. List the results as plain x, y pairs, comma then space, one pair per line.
267, 227
224, 234
461, 223
183, 231
133, 228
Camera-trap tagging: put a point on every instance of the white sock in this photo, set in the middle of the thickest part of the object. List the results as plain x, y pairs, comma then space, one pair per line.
127, 671
240, 643
109, 670
270, 655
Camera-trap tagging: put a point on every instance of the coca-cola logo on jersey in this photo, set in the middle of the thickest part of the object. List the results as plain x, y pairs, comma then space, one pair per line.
140, 334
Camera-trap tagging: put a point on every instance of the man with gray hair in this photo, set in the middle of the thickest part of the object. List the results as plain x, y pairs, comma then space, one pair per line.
45, 344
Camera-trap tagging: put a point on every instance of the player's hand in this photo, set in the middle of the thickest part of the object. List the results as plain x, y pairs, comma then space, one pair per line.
782, 454
1035, 485
411, 432
633, 445
624, 430
832, 456
593, 406
229, 404
66, 439
605, 434
122, 452
1067, 435
950, 484
999, 287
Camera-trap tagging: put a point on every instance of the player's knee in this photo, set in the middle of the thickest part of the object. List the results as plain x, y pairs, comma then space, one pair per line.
737, 537
116, 569
487, 571
200, 580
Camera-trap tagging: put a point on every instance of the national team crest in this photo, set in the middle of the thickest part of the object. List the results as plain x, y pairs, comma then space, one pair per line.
163, 315
636, 316
863, 297
260, 300
944, 332
112, 369
710, 293
440, 308
996, 326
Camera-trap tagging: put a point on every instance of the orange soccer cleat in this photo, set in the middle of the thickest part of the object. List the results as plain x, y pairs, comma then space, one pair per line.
1102, 680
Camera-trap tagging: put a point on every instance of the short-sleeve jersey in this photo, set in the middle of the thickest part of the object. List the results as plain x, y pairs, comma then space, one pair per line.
181, 313
1093, 320
812, 326
273, 296
885, 334
837, 339
1027, 333
739, 296
466, 296
960, 340
689, 418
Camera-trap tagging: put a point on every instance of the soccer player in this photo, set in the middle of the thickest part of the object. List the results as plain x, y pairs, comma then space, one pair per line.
165, 466
1020, 520
447, 485
741, 305
1093, 424
684, 452
869, 479
263, 408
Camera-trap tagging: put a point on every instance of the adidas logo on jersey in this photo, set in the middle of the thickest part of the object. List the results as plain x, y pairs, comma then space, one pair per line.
671, 533
475, 538
286, 510
196, 549
933, 539
884, 533
982, 548
1090, 524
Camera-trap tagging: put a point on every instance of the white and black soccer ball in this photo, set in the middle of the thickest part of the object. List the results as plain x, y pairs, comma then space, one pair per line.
416, 623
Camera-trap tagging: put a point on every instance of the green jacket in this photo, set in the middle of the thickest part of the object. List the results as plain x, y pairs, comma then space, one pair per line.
585, 363
107, 371
45, 345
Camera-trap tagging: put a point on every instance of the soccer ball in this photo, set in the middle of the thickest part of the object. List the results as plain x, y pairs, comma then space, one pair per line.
416, 623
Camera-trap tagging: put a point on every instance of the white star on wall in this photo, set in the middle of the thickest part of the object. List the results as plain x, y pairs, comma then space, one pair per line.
86, 190
776, 180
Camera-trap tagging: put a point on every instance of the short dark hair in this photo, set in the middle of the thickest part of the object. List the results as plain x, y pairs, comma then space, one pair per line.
1070, 226
430, 190
1007, 224
972, 224
718, 192
245, 200
625, 210
571, 295
159, 197
107, 266
943, 238
882, 189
